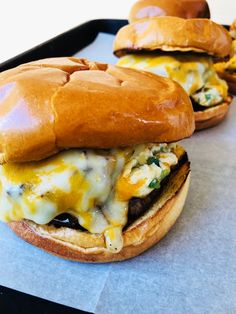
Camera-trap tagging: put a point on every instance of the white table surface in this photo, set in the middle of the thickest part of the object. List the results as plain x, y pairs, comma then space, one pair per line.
26, 23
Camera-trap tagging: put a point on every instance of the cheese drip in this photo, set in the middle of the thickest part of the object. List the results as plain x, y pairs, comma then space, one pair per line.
94, 186
195, 73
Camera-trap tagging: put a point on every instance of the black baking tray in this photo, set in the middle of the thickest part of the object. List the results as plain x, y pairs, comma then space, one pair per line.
12, 301
66, 44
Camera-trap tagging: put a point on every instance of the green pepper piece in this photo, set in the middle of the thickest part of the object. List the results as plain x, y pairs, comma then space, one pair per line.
165, 173
208, 97
153, 160
154, 184
164, 149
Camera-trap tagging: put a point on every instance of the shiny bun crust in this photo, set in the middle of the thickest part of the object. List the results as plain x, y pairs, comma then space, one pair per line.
60, 103
142, 234
167, 33
181, 8
212, 116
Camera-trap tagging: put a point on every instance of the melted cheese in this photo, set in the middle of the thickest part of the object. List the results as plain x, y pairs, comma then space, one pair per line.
231, 64
194, 73
94, 186
228, 66
234, 46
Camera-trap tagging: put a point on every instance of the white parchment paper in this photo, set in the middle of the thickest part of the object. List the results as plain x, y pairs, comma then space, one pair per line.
192, 270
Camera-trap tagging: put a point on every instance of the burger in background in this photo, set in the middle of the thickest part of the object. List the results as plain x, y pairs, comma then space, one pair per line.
227, 70
183, 50
181, 8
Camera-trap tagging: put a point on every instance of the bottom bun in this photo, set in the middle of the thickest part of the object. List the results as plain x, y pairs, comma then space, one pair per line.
212, 116
147, 230
230, 79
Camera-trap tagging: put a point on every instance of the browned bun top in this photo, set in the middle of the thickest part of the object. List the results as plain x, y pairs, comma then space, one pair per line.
60, 103
187, 9
169, 33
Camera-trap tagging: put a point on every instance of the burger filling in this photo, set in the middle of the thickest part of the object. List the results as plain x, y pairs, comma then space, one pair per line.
93, 186
196, 74
229, 66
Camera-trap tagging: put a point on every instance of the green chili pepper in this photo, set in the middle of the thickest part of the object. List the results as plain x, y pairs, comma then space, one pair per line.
155, 184
165, 173
164, 149
208, 97
153, 160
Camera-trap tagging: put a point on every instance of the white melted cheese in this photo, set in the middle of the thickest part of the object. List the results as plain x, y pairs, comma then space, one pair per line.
196, 74
94, 186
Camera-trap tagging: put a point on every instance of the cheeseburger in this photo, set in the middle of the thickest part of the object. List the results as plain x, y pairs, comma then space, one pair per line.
187, 9
183, 50
227, 70
89, 166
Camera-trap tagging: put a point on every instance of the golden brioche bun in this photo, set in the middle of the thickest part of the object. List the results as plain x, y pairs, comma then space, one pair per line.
169, 33
181, 8
212, 116
139, 236
221, 68
62, 103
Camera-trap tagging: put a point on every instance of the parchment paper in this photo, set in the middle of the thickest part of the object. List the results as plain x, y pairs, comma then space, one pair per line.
192, 270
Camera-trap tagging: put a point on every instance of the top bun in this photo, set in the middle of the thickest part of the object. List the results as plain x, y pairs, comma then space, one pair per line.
187, 9
168, 33
60, 103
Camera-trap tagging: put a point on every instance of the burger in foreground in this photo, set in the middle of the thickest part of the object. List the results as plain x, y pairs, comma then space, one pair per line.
182, 50
89, 171
187, 9
227, 70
